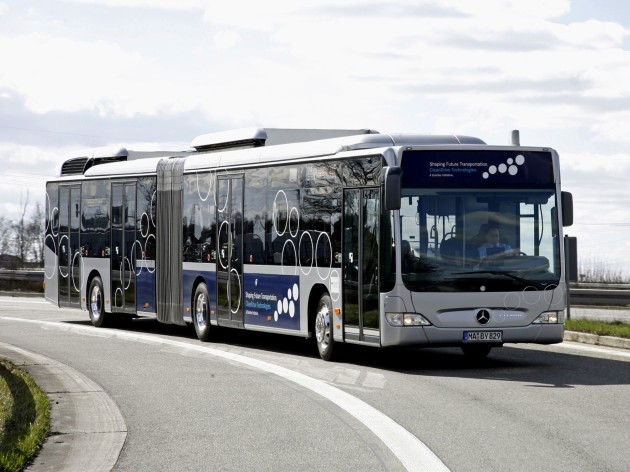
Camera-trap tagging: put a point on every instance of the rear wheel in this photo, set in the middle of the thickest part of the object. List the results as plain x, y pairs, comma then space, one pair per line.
323, 328
96, 307
201, 313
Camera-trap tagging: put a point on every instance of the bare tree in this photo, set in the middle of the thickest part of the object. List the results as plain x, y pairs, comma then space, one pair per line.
35, 235
20, 235
6, 228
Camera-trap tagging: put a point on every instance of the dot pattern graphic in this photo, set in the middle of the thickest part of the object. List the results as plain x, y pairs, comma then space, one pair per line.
511, 167
287, 304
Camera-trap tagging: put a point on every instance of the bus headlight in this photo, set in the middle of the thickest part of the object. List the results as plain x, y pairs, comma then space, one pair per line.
406, 319
550, 317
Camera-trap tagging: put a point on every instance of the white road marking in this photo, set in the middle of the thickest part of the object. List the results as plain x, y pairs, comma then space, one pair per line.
410, 451
23, 300
571, 346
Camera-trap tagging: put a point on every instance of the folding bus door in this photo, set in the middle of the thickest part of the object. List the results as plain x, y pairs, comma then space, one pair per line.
361, 225
230, 250
123, 279
70, 257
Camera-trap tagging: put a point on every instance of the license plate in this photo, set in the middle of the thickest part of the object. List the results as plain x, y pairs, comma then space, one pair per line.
483, 336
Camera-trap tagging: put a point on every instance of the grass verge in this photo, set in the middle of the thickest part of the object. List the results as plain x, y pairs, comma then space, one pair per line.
24, 417
601, 328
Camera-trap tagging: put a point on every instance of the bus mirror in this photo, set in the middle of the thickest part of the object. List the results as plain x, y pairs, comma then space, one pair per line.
392, 180
567, 209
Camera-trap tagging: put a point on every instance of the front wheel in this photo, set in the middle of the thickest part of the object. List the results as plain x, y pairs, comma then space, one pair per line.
201, 314
96, 307
323, 328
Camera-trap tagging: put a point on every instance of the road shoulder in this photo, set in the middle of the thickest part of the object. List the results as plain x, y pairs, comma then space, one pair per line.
87, 429
607, 341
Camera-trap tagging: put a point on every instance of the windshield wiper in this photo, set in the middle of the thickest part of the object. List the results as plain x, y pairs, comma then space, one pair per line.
506, 274
441, 283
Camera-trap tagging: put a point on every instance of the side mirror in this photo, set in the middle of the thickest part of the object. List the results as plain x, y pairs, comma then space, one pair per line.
567, 209
392, 177
571, 258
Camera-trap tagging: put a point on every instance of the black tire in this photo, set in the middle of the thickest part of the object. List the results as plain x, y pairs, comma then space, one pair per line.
96, 304
476, 351
322, 328
201, 313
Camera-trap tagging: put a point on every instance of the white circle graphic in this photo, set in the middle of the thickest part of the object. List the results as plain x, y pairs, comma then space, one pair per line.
276, 213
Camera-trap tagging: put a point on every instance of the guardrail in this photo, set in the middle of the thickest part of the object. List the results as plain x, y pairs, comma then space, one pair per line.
582, 294
600, 296
22, 275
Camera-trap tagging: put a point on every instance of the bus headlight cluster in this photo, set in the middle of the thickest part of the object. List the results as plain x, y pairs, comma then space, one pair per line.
550, 317
406, 319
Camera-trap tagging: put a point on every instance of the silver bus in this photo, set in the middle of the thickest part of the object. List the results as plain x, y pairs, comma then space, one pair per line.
343, 236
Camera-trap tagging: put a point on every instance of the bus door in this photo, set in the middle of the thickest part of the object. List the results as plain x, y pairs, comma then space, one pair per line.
361, 226
70, 256
230, 250
123, 276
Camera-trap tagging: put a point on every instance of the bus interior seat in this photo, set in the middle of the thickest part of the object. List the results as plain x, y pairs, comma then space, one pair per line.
452, 251
254, 249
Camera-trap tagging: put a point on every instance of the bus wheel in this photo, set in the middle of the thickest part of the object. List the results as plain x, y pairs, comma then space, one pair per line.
476, 351
323, 328
201, 314
96, 308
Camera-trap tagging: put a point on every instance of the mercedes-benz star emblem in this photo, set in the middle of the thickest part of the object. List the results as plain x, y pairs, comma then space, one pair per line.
483, 316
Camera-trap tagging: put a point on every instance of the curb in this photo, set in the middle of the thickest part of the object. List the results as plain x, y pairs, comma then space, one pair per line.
87, 429
607, 341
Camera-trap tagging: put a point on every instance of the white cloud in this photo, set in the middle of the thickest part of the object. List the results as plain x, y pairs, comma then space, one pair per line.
594, 34
274, 60
56, 73
163, 4
513, 8
3, 8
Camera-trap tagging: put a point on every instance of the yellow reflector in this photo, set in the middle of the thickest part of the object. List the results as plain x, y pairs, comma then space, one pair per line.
337, 311
187, 309
338, 326
147, 305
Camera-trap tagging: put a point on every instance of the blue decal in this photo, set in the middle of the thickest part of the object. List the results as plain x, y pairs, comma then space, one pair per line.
272, 300
474, 168
145, 291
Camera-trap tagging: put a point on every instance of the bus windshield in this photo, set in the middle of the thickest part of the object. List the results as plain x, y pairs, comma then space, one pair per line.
496, 237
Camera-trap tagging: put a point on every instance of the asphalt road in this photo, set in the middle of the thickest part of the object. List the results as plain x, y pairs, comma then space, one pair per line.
253, 401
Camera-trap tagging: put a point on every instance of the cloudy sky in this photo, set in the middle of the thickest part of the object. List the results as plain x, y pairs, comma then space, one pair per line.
76, 74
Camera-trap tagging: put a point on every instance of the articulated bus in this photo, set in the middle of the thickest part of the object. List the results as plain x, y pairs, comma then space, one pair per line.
344, 236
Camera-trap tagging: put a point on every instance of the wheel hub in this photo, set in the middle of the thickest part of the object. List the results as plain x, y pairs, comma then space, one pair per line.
322, 327
200, 312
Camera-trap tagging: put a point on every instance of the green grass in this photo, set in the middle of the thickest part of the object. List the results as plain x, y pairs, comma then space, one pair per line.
24, 417
601, 328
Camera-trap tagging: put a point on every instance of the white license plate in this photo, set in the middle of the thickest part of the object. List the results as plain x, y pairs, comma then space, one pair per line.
483, 336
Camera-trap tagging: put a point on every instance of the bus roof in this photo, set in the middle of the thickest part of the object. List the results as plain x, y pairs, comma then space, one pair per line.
246, 147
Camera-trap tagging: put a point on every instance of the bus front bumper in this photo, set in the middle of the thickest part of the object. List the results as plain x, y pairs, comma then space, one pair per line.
432, 336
